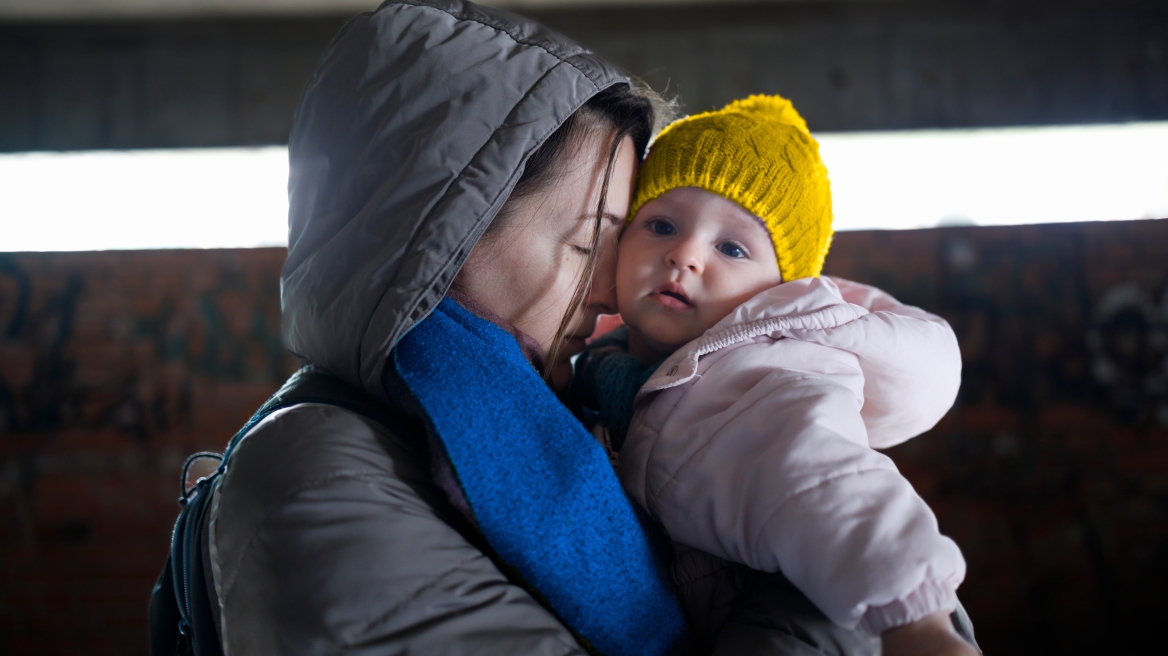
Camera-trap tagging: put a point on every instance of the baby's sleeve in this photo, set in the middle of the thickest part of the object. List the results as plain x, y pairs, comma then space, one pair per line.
910, 359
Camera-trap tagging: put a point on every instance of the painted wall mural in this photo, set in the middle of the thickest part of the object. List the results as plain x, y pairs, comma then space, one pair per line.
113, 367
1051, 471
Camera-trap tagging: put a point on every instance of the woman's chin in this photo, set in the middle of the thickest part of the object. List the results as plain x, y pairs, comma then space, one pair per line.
560, 378
574, 345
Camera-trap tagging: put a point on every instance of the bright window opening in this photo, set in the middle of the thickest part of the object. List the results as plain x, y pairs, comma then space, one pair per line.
102, 200
237, 198
927, 178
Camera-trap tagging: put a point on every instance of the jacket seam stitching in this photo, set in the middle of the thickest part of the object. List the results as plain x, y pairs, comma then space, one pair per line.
736, 334
745, 331
514, 37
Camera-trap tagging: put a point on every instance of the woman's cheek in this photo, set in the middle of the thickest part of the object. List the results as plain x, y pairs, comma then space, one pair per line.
553, 283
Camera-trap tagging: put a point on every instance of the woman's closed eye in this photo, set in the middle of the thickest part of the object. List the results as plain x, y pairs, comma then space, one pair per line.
733, 250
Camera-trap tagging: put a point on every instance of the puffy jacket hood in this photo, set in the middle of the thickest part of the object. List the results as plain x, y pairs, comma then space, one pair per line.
406, 143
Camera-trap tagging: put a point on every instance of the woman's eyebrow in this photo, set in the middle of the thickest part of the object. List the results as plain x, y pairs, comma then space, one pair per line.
607, 215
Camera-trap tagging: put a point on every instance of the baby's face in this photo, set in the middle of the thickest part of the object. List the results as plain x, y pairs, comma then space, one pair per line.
686, 261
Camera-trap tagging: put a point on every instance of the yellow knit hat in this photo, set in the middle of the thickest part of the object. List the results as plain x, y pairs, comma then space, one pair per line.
758, 153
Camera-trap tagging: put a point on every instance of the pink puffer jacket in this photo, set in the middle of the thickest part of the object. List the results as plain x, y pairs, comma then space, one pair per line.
755, 443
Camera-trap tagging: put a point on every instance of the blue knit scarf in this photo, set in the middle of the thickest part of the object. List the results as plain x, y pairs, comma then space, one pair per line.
540, 487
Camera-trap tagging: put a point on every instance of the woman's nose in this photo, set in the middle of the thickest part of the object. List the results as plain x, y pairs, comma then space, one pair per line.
687, 255
602, 292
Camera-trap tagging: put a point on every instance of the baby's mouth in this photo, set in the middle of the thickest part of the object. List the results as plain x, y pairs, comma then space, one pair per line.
676, 293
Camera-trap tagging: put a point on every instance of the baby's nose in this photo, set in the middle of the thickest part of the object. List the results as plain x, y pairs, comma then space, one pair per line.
687, 255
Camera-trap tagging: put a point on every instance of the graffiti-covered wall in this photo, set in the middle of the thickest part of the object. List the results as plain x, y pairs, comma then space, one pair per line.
1051, 472
113, 367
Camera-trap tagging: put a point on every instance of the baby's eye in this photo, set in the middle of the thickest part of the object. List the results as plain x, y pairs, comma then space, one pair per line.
730, 249
659, 227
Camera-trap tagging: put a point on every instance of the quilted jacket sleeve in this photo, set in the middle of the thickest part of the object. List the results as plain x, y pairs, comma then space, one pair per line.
328, 536
770, 466
910, 359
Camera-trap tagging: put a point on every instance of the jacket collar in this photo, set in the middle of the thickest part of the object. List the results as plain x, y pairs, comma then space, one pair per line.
807, 304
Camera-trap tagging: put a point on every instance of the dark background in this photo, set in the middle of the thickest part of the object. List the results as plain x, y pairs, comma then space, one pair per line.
1051, 471
850, 65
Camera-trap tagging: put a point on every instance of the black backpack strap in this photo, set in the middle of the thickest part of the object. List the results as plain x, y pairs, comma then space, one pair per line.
164, 615
182, 620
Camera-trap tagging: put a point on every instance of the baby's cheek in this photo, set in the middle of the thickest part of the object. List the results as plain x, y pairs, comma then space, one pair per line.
706, 321
628, 276
715, 310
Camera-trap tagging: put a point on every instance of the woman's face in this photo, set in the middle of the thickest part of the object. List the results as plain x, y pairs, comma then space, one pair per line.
526, 270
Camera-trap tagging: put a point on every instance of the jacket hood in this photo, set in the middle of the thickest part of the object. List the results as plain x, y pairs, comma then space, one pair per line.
405, 144
807, 305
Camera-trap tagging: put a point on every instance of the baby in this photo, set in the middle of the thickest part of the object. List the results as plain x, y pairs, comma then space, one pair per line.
761, 388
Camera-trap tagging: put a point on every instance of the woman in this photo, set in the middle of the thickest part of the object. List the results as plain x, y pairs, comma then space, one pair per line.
453, 168
440, 147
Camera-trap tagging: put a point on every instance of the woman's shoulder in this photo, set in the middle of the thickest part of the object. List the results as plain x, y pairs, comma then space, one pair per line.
327, 530
309, 456
307, 444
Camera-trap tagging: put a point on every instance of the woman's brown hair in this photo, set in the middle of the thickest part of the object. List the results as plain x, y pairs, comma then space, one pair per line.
623, 110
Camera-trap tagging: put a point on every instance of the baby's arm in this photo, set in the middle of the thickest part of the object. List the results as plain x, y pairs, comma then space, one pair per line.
769, 466
910, 359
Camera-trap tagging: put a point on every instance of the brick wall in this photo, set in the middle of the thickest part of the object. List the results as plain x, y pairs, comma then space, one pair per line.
1051, 472
113, 367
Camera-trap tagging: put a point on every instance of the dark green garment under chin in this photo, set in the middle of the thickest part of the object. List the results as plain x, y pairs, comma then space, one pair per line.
606, 382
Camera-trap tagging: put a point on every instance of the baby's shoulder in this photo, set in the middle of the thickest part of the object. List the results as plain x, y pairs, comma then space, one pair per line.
764, 354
